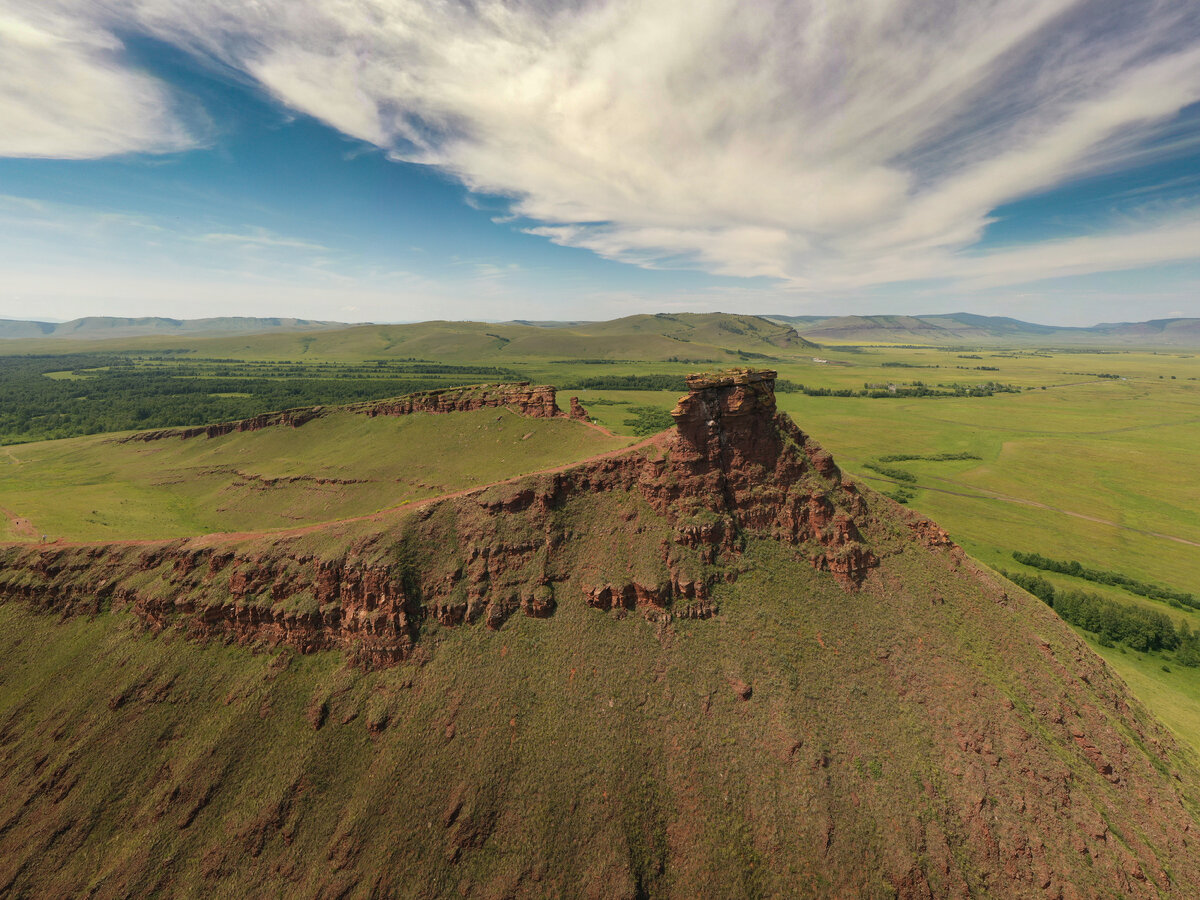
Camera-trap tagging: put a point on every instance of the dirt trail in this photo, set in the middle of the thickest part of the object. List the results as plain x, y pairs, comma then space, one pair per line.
202, 540
20, 524
985, 494
13, 456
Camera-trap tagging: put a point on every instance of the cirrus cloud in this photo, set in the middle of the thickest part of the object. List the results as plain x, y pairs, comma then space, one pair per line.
65, 91
823, 145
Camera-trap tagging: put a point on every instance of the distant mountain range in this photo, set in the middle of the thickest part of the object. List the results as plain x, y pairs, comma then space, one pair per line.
957, 328
100, 327
717, 329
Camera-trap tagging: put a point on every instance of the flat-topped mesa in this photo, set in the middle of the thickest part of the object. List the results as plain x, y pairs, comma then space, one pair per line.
535, 401
660, 526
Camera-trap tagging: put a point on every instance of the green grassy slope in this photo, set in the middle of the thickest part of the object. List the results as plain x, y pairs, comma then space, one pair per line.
587, 754
1119, 451
344, 464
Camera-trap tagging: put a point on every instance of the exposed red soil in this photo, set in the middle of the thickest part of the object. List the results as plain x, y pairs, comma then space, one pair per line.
19, 524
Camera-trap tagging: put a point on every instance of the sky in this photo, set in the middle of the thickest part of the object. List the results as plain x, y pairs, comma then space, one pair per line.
403, 160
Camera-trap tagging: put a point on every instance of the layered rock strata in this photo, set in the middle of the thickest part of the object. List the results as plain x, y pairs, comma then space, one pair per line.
292, 418
656, 528
535, 401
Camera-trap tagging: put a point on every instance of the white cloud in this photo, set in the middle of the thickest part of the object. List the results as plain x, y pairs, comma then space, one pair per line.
830, 145
1173, 241
66, 93
257, 238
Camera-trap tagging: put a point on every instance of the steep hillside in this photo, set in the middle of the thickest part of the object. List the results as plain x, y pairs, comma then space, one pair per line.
705, 666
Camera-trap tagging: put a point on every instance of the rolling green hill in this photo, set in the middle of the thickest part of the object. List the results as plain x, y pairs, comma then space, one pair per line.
695, 336
343, 464
967, 328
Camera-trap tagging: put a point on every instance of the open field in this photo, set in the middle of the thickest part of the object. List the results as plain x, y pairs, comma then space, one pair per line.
1084, 454
342, 465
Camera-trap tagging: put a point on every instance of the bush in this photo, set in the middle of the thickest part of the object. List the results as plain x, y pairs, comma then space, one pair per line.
892, 472
649, 420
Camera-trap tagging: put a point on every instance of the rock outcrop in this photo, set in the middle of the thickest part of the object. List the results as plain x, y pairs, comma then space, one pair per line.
535, 401
292, 418
898, 723
656, 528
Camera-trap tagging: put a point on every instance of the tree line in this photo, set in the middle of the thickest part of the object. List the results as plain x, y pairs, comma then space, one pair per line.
1103, 576
1113, 622
113, 393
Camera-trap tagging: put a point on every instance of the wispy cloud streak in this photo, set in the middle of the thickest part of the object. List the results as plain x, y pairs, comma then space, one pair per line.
66, 91
823, 144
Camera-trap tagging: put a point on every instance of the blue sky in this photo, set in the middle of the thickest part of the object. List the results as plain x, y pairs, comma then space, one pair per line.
395, 160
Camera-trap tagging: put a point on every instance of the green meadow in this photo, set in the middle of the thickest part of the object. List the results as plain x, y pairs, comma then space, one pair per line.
342, 465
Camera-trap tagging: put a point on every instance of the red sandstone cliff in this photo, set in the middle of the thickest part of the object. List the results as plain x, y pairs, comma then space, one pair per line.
293, 418
536, 401
655, 528
1019, 778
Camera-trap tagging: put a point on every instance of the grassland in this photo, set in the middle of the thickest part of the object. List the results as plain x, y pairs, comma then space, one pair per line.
1073, 465
99, 488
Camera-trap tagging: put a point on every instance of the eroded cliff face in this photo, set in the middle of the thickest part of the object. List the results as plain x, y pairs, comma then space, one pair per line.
653, 529
926, 736
292, 418
535, 401
740, 458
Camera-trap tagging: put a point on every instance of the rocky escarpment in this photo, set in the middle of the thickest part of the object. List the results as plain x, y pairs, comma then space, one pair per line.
535, 401
655, 528
292, 418
903, 722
